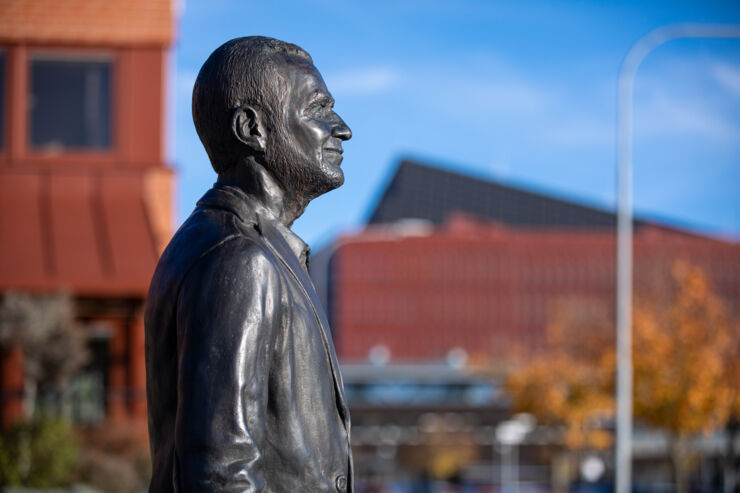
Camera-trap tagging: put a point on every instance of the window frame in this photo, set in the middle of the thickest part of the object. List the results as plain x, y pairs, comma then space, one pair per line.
76, 55
72, 156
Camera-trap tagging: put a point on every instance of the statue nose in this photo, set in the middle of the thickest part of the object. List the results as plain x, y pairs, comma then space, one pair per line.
341, 130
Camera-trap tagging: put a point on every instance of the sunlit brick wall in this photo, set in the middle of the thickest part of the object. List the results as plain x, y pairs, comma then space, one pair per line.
87, 21
492, 292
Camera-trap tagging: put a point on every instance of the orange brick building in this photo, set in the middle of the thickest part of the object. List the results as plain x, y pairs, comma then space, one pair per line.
85, 190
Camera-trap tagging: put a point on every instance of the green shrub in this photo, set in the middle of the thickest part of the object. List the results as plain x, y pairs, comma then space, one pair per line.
41, 453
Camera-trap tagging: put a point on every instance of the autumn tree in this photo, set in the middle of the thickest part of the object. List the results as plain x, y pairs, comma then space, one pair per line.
685, 373
683, 360
572, 385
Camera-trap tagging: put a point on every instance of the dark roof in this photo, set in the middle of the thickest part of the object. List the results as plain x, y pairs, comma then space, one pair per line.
423, 192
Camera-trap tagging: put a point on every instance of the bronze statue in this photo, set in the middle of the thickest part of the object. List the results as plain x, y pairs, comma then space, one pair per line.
243, 385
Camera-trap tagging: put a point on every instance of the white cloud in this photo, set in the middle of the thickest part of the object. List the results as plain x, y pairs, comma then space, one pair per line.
549, 114
727, 76
579, 131
663, 114
367, 80
505, 95
485, 84
693, 97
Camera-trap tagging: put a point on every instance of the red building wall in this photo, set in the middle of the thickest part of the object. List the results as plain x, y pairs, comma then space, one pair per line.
490, 290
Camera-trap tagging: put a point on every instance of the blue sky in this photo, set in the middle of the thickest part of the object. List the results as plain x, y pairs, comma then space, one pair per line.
518, 91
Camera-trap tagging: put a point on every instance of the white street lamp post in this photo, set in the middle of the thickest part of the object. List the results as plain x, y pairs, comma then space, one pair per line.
625, 93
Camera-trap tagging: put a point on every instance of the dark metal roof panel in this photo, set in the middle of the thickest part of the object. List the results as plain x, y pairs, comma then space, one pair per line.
425, 192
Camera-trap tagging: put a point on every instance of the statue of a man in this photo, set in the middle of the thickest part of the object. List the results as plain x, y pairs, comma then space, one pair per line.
243, 386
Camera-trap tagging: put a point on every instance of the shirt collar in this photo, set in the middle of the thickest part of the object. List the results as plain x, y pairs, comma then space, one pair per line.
250, 211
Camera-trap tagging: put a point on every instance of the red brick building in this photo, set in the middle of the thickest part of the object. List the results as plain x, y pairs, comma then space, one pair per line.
450, 261
85, 190
490, 289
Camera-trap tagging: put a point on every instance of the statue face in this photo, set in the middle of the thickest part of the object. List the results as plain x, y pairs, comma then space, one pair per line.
306, 148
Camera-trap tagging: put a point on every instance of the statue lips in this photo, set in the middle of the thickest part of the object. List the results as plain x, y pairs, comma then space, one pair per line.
333, 153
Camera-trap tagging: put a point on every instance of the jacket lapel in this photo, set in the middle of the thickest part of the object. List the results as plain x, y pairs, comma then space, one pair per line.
236, 201
278, 245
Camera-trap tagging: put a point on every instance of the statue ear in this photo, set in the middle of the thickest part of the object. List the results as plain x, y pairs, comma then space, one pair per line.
247, 127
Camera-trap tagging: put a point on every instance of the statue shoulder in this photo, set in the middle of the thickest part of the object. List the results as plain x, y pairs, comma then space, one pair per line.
213, 246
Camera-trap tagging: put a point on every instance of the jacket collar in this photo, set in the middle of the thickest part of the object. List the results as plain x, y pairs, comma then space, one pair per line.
250, 211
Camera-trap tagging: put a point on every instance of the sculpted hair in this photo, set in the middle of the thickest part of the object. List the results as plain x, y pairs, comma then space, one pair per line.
242, 71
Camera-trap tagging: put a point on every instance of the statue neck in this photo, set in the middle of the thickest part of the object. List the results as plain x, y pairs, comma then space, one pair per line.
252, 177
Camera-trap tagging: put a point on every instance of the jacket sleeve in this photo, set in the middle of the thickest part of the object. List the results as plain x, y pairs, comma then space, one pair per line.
227, 317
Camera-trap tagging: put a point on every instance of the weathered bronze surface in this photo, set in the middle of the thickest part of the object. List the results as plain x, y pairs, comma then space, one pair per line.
243, 385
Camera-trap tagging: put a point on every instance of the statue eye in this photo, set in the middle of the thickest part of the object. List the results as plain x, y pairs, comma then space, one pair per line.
319, 110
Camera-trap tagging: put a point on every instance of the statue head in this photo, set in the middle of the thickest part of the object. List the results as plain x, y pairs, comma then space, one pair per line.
261, 98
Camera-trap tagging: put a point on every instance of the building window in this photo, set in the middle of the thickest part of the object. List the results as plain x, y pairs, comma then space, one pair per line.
70, 104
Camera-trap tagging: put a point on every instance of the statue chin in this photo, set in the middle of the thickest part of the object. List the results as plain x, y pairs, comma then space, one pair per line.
302, 176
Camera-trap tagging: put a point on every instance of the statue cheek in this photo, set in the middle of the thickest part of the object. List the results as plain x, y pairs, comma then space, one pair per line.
315, 133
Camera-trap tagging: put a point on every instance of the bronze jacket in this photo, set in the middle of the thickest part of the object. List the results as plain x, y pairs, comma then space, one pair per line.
243, 387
